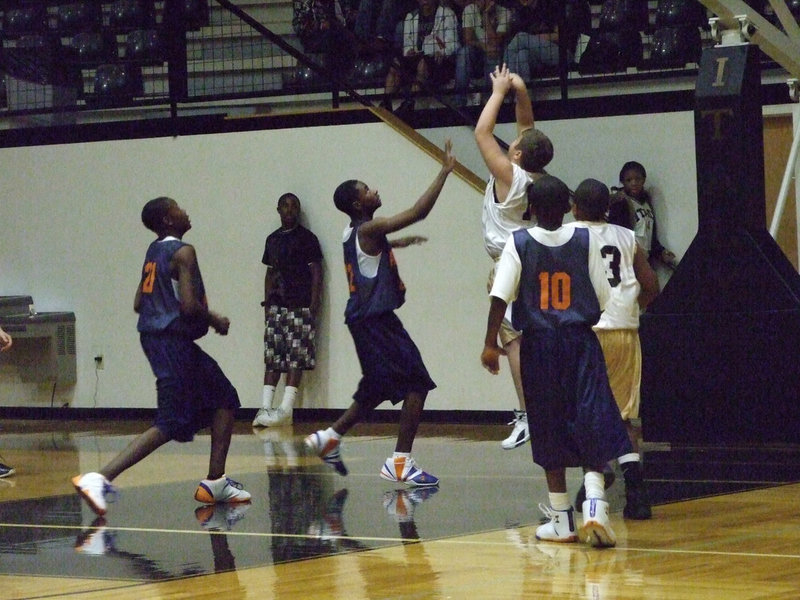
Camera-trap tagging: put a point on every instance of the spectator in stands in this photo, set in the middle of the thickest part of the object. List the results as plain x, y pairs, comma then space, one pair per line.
378, 24
533, 38
321, 26
5, 344
484, 25
430, 41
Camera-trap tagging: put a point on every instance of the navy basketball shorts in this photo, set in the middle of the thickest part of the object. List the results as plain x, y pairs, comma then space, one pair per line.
190, 385
391, 364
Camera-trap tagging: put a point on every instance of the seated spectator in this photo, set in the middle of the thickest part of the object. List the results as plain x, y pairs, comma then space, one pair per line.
377, 23
321, 26
430, 41
484, 25
533, 38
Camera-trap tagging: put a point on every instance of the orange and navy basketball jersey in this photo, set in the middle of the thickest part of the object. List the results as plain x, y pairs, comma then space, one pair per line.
370, 296
555, 287
159, 309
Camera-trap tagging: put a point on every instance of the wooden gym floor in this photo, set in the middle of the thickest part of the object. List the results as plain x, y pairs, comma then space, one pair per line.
726, 522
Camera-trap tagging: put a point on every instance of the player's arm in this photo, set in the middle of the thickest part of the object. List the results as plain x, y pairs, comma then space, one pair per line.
316, 287
523, 108
490, 357
410, 240
493, 155
184, 265
269, 283
646, 276
371, 232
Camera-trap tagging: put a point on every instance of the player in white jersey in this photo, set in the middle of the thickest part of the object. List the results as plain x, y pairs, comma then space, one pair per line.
632, 285
505, 204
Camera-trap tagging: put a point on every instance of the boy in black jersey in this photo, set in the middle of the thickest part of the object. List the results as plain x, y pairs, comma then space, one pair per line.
193, 392
391, 365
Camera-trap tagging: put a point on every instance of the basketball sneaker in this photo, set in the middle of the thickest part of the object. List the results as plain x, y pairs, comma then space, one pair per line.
220, 517
223, 490
560, 527
6, 471
94, 488
596, 529
405, 470
637, 503
273, 417
520, 434
327, 449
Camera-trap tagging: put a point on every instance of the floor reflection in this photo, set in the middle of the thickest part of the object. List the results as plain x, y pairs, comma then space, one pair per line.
302, 510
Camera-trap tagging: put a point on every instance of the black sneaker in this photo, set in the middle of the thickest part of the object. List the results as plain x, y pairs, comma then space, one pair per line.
637, 505
6, 471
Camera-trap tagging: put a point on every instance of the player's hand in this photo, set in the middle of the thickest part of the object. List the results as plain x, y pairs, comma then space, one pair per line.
501, 79
490, 358
668, 257
220, 324
449, 160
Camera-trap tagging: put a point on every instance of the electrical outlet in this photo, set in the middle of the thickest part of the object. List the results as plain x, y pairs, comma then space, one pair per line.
99, 362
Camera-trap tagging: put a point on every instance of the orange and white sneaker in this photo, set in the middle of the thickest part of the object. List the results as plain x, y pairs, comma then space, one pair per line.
327, 448
222, 490
404, 470
94, 488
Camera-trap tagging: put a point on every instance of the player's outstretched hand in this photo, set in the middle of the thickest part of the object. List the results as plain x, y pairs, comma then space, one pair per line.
501, 79
449, 159
490, 358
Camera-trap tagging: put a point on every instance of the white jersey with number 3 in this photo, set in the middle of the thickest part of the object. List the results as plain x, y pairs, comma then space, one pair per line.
617, 245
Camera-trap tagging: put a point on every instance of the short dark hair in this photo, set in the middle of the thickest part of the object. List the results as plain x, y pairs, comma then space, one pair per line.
537, 150
346, 195
154, 212
286, 196
592, 197
548, 194
632, 165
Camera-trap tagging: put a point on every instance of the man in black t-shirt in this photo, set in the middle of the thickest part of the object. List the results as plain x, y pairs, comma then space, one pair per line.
292, 292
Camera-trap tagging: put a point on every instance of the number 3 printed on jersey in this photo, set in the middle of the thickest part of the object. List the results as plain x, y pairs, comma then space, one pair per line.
611, 258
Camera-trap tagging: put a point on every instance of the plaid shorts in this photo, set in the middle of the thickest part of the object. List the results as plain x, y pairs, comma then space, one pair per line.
289, 339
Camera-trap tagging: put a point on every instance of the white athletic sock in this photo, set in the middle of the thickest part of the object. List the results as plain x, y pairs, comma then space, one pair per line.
401, 454
266, 396
289, 394
593, 482
331, 433
626, 458
559, 500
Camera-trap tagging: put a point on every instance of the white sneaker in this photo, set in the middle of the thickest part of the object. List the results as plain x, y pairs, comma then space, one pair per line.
224, 489
520, 434
260, 415
405, 470
94, 488
596, 529
560, 528
277, 416
95, 540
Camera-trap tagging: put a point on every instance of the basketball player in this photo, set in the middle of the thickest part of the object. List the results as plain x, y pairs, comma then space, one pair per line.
193, 392
553, 275
391, 365
505, 203
632, 286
